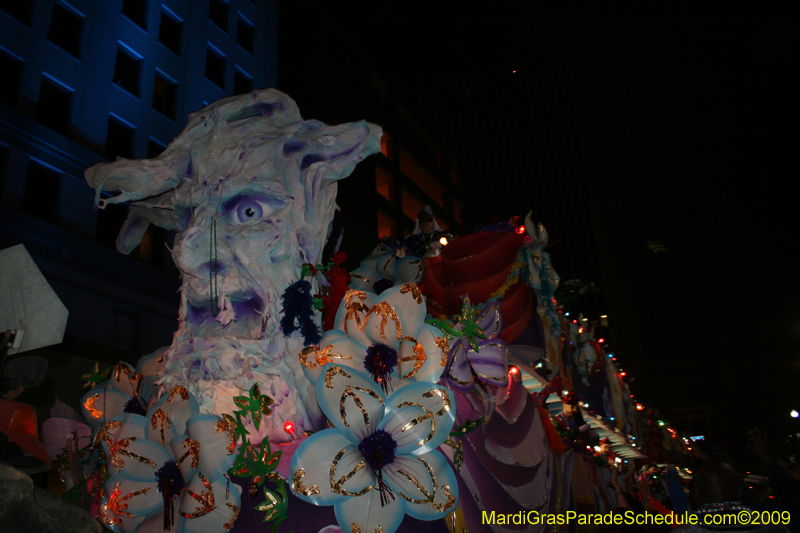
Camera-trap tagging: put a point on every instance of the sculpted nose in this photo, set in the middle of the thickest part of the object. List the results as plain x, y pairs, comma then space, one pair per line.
199, 251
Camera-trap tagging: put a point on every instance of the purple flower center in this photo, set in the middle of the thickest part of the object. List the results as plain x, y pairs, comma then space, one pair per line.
381, 285
379, 362
378, 449
170, 484
133, 406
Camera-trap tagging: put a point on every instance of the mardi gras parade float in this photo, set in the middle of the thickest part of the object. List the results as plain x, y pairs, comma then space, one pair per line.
430, 388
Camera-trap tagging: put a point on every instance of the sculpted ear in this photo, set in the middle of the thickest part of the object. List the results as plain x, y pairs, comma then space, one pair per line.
327, 154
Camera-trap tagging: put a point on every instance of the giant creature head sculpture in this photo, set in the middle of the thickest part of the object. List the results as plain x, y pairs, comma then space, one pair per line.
250, 188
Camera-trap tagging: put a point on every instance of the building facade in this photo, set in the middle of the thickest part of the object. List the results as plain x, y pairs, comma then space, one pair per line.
88, 81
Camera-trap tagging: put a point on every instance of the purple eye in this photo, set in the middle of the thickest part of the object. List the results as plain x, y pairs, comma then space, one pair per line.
248, 210
251, 207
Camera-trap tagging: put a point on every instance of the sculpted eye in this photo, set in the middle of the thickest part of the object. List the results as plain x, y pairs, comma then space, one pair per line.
245, 208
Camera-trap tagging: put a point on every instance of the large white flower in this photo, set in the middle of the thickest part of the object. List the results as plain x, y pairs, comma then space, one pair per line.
167, 469
379, 461
383, 269
385, 335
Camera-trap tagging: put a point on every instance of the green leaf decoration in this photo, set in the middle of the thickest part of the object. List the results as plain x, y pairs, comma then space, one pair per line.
255, 404
469, 426
93, 378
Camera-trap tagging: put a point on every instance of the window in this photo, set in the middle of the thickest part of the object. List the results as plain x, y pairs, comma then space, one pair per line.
170, 31
386, 146
41, 192
109, 222
384, 183
218, 14
164, 95
136, 10
19, 9
420, 175
119, 140
154, 148
125, 332
242, 82
411, 204
215, 66
53, 107
65, 29
126, 70
245, 34
386, 226
11, 67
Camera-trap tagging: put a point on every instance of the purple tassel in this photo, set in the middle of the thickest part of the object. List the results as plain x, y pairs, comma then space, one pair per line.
298, 312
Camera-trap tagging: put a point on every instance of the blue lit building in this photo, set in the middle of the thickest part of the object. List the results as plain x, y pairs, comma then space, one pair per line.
90, 80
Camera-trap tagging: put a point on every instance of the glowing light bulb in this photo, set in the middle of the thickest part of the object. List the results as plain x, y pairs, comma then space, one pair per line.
513, 370
520, 230
597, 448
617, 459
443, 241
794, 414
601, 340
639, 407
288, 427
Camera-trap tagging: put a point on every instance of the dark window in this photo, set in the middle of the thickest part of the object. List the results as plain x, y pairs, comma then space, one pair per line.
218, 13
164, 92
215, 67
245, 35
41, 192
154, 148
136, 10
11, 67
109, 222
119, 140
19, 9
65, 29
53, 107
242, 83
125, 333
126, 71
170, 31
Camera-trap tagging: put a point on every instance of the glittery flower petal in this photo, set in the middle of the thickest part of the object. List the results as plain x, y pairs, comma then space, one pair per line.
491, 321
125, 379
351, 317
351, 400
402, 303
208, 510
186, 452
365, 514
216, 444
379, 255
385, 266
126, 426
118, 523
124, 497
167, 417
136, 460
310, 469
489, 363
421, 478
409, 270
362, 279
420, 417
103, 403
458, 371
336, 348
426, 353
154, 523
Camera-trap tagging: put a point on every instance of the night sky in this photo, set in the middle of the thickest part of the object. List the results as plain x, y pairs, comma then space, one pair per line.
684, 124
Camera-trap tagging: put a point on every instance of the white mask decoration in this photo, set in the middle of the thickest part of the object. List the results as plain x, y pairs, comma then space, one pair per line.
250, 187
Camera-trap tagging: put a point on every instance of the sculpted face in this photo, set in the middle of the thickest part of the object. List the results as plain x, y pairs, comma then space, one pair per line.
250, 188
